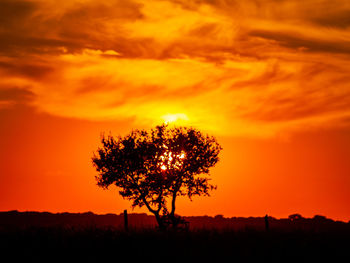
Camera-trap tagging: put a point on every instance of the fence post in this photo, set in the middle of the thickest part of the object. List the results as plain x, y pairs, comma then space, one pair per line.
126, 220
266, 222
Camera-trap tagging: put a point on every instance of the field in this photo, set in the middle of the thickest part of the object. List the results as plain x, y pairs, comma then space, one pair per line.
114, 244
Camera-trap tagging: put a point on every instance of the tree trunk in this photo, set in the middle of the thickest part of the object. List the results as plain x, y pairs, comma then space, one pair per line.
160, 222
172, 217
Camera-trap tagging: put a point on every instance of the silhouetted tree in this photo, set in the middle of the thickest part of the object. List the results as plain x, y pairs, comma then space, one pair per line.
152, 168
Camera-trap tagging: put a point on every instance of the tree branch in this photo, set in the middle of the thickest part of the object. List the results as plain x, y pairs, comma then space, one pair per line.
143, 197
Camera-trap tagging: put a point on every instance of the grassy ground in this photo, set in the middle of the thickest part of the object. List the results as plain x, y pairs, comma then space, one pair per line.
109, 244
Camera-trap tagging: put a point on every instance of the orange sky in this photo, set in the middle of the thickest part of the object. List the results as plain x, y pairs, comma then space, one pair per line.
270, 79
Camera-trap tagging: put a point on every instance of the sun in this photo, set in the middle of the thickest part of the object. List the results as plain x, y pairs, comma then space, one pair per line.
170, 160
170, 118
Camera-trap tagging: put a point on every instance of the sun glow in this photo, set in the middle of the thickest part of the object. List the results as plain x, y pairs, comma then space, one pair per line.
170, 118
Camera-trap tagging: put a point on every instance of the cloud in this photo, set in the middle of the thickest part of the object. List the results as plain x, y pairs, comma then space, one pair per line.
335, 18
24, 69
44, 27
13, 11
295, 41
11, 96
233, 67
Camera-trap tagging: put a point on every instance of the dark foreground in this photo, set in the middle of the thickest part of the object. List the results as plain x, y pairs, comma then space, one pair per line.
47, 244
46, 237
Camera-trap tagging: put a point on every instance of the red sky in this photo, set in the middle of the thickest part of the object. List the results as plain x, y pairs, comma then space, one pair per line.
269, 79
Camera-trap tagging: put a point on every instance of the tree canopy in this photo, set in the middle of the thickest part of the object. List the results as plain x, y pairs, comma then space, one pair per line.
152, 168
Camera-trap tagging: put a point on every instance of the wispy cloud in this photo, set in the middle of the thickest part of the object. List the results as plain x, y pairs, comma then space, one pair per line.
236, 67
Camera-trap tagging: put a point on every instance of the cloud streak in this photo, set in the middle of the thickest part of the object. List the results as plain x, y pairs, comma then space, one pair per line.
253, 68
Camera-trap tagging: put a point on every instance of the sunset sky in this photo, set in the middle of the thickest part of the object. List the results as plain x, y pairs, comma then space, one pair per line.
269, 79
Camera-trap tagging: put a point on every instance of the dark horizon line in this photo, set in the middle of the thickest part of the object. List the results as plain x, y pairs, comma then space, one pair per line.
185, 216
